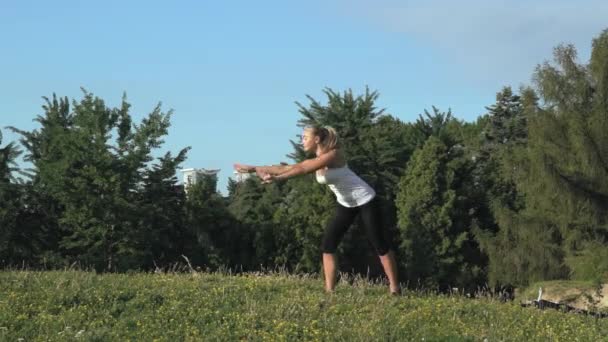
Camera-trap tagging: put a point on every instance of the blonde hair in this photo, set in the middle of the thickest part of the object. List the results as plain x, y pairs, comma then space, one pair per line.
328, 137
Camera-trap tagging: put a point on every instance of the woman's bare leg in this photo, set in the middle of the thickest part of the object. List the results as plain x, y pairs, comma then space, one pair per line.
329, 269
390, 268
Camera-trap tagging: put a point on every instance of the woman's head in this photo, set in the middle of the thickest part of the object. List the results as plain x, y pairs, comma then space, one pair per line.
317, 136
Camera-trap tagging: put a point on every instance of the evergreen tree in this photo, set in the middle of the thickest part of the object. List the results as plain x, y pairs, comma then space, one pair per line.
434, 205
9, 205
89, 184
568, 182
549, 186
438, 124
24, 235
259, 237
42, 208
218, 240
301, 218
163, 235
498, 161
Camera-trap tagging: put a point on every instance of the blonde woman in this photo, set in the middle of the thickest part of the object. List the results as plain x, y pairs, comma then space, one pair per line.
354, 197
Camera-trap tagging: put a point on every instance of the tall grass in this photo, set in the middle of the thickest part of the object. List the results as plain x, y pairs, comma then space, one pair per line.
78, 305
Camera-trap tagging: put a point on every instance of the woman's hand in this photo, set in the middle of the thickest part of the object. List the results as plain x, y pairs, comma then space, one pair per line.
261, 172
242, 168
267, 178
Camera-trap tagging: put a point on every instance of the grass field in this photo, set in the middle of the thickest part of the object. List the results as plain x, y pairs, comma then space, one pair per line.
85, 306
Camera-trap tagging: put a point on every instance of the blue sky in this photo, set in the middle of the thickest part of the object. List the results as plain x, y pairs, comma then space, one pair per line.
232, 70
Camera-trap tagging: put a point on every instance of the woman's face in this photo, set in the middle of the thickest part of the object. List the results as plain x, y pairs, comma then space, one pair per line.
309, 140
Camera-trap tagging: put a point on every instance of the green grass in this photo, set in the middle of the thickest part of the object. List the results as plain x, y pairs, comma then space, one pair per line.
74, 305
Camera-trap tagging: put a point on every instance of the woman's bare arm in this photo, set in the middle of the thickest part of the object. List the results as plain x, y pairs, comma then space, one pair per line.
263, 170
307, 166
273, 169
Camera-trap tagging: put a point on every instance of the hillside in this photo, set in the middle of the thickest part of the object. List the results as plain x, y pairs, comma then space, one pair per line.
74, 305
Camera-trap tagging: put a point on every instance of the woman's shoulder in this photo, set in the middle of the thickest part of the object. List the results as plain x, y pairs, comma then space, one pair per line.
339, 159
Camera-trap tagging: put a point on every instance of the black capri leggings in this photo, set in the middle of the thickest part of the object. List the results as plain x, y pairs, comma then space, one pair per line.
344, 217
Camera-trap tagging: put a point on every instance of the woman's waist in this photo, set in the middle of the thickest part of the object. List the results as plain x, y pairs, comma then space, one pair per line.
351, 189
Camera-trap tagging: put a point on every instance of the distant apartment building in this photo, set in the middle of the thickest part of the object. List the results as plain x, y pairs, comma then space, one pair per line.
191, 176
241, 176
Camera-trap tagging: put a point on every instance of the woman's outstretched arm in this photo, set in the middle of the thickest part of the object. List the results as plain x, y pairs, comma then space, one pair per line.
307, 166
273, 169
263, 170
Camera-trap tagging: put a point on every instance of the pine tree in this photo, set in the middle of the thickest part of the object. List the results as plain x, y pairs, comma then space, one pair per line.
88, 184
568, 183
218, 239
549, 186
301, 218
434, 207
163, 235
503, 143
10, 196
259, 239
42, 206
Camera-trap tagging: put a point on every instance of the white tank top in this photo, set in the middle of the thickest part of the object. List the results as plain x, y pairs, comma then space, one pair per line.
350, 190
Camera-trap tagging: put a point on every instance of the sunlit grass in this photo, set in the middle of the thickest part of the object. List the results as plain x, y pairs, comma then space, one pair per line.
75, 305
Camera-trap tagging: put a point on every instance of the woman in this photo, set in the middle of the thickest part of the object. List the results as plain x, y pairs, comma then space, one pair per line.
354, 196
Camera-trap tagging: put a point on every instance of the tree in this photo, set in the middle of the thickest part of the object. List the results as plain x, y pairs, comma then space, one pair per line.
91, 184
437, 124
434, 203
301, 218
42, 207
549, 187
266, 237
218, 240
10, 197
499, 159
568, 183
163, 234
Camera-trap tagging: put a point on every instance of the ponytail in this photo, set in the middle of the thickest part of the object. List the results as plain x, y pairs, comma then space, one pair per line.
331, 138
327, 135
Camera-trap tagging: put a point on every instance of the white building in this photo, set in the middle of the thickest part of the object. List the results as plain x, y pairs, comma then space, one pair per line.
241, 176
191, 175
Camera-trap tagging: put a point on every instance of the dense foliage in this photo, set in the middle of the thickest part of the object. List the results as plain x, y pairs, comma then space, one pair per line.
520, 195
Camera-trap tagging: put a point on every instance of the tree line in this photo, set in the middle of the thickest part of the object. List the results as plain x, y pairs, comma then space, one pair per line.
517, 196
